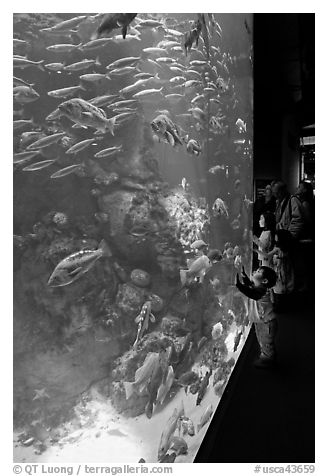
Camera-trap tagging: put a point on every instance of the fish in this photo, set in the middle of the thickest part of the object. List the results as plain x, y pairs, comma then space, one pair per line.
85, 114
164, 128
122, 103
205, 418
77, 264
82, 65
96, 43
38, 165
25, 94
152, 387
216, 168
66, 171
177, 79
17, 42
149, 94
168, 431
102, 100
55, 66
122, 62
65, 92
203, 386
197, 270
79, 146
19, 124
217, 330
46, 141
122, 71
197, 113
192, 36
142, 375
164, 60
187, 426
54, 115
165, 386
192, 82
179, 445
25, 63
21, 157
67, 24
107, 152
174, 98
93, 77
220, 208
153, 51
149, 24
113, 21
63, 48
188, 378
21, 82
193, 147
142, 320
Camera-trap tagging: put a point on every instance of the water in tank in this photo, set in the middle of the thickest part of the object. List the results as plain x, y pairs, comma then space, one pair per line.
132, 214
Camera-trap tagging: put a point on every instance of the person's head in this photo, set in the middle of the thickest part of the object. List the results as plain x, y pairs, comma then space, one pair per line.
214, 256
305, 191
283, 239
268, 192
267, 221
279, 189
264, 276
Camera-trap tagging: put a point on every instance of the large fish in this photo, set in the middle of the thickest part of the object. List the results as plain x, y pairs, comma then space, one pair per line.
113, 21
165, 129
168, 431
25, 94
205, 417
76, 265
142, 375
86, 114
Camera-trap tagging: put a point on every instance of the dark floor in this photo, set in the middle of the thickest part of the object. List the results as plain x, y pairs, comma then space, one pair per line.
268, 415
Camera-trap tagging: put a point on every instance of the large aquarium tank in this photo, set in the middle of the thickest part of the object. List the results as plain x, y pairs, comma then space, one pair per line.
132, 146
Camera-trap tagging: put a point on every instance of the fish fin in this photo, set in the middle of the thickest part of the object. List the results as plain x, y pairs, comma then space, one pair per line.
111, 124
75, 271
105, 249
152, 317
97, 62
129, 389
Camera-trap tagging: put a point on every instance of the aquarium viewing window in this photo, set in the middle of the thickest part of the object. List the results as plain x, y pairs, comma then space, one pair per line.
133, 194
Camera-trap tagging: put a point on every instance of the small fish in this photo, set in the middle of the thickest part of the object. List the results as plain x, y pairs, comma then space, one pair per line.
94, 44
46, 141
203, 386
205, 418
102, 100
25, 63
65, 92
237, 340
142, 320
123, 71
55, 66
63, 48
22, 157
21, 82
82, 65
108, 152
38, 165
193, 147
67, 24
188, 378
217, 330
76, 265
197, 113
79, 146
21, 123
17, 42
25, 94
168, 431
66, 171
127, 61
149, 24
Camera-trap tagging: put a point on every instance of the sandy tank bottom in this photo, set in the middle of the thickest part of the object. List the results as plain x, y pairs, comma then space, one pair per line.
113, 438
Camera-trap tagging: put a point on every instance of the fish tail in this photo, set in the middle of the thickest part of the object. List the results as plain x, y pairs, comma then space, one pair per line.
40, 65
97, 62
105, 249
129, 389
111, 124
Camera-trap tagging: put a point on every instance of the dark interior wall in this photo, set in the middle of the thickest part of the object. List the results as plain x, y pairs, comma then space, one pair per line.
283, 92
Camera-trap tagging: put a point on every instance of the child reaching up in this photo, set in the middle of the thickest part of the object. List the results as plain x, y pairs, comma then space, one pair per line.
258, 289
